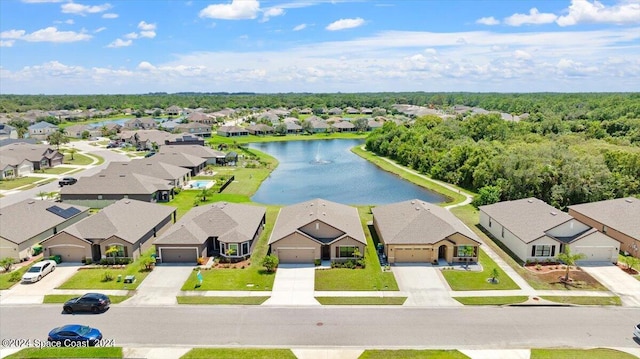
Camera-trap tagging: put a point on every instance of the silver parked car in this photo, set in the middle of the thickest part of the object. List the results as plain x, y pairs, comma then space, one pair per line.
39, 270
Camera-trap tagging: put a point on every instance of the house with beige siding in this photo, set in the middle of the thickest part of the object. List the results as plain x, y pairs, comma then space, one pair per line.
128, 225
228, 230
617, 218
421, 232
536, 231
317, 230
26, 224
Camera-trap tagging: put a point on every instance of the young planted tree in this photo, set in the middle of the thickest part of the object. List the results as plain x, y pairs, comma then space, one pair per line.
112, 252
270, 263
570, 260
467, 252
57, 138
6, 263
229, 252
43, 195
72, 151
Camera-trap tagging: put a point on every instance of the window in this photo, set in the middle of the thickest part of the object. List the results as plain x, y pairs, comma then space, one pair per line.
465, 251
543, 251
245, 248
490, 222
502, 232
345, 251
232, 249
120, 250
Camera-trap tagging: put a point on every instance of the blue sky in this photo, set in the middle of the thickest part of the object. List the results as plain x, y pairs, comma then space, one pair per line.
131, 46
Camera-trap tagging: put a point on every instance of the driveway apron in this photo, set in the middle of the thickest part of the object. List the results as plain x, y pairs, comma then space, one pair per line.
424, 285
294, 285
161, 286
617, 281
33, 293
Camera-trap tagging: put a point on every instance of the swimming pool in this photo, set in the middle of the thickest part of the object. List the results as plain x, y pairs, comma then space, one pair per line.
199, 184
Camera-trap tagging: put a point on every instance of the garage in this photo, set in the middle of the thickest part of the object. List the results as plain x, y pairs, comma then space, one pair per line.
178, 255
68, 253
296, 255
409, 255
597, 254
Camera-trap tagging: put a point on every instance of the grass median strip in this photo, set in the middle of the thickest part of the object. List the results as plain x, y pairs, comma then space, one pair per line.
62, 298
412, 354
584, 300
199, 299
492, 300
598, 353
361, 300
233, 353
31, 353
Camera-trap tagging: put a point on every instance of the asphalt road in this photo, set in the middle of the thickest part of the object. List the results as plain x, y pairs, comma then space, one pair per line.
370, 327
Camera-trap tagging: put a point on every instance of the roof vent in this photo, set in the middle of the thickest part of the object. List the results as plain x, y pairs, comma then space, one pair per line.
417, 208
31, 202
628, 200
530, 200
127, 202
324, 214
413, 202
123, 175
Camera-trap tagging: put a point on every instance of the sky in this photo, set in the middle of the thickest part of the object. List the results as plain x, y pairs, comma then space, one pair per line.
318, 46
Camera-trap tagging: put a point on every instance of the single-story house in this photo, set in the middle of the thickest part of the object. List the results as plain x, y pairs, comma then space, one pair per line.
11, 167
76, 131
41, 156
175, 175
536, 231
173, 111
317, 230
194, 164
293, 128
7, 131
196, 129
184, 139
232, 131
260, 129
421, 232
40, 130
226, 229
105, 188
211, 156
344, 126
617, 218
201, 117
25, 224
144, 123
127, 224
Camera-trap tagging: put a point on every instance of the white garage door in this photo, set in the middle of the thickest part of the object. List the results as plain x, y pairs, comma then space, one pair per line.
68, 253
596, 254
296, 255
178, 255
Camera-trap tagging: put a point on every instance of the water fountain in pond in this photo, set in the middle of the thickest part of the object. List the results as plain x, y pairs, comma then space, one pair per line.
317, 160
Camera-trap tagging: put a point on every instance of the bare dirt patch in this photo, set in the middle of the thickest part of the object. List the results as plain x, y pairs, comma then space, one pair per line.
553, 274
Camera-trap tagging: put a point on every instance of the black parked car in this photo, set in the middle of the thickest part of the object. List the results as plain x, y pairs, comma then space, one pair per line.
90, 302
71, 334
67, 181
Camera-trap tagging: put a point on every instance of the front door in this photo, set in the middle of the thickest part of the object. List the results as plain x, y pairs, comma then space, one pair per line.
326, 252
96, 254
442, 252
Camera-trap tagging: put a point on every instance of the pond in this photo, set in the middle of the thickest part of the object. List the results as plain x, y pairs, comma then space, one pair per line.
328, 169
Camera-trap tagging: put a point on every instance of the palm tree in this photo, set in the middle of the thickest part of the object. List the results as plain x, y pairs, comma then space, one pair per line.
112, 250
570, 260
71, 152
43, 195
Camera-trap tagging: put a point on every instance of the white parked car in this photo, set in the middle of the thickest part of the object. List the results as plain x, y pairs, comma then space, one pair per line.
636, 331
39, 270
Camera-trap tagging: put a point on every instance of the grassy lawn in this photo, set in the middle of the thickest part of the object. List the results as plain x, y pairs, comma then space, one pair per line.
579, 300
190, 299
492, 300
361, 300
238, 353
7, 279
113, 352
412, 354
57, 170
78, 159
8, 184
61, 298
185, 199
254, 277
598, 353
93, 278
370, 278
470, 280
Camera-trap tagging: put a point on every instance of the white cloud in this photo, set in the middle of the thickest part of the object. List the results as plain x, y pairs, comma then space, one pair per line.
110, 15
49, 34
534, 17
142, 25
7, 43
272, 12
83, 10
300, 27
490, 21
236, 10
343, 24
100, 29
131, 35
120, 43
585, 11
145, 66
521, 55
69, 22
148, 34
41, 1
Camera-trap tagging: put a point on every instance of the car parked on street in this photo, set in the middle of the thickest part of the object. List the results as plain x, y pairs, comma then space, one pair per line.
71, 335
67, 181
90, 302
38, 271
636, 331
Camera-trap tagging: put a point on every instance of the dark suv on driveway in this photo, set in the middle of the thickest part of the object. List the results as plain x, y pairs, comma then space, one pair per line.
67, 181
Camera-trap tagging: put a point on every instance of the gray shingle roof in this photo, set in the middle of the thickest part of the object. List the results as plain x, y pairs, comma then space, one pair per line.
342, 217
230, 222
417, 222
127, 219
177, 159
527, 218
148, 168
193, 150
24, 220
117, 183
622, 214
23, 150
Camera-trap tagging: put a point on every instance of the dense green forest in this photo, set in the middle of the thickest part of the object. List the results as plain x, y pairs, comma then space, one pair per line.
562, 162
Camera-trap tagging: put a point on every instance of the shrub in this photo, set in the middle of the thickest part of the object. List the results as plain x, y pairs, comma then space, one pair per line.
270, 262
107, 276
14, 277
7, 263
88, 261
317, 262
200, 260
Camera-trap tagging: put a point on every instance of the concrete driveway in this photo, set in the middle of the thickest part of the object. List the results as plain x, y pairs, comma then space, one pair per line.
294, 285
161, 286
617, 281
33, 293
424, 285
